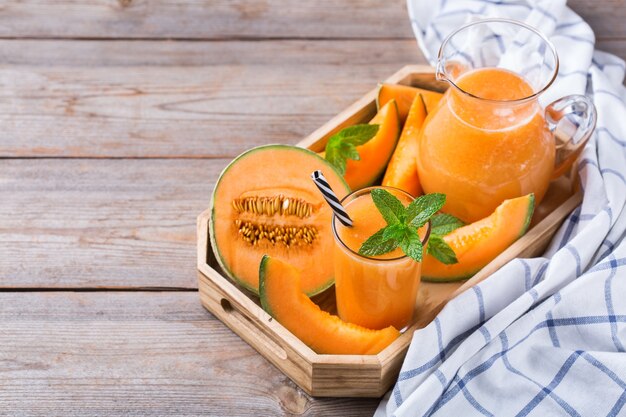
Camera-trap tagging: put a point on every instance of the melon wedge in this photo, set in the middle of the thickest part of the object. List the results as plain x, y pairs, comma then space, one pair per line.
264, 202
402, 169
283, 299
478, 243
404, 95
375, 154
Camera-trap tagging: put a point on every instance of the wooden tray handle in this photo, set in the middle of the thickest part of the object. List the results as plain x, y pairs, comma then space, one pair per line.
241, 321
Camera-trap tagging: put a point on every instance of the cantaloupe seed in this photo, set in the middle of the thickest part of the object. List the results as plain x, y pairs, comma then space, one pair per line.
276, 205
264, 207
254, 233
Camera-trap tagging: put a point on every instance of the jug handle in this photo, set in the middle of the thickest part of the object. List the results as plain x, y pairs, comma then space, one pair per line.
572, 120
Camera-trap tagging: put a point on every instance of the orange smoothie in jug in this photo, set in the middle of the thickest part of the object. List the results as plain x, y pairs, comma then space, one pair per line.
373, 292
484, 144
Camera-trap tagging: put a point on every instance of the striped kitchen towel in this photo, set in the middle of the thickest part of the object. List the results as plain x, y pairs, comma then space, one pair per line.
543, 336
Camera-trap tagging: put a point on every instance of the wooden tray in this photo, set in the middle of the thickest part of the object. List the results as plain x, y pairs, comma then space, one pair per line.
357, 375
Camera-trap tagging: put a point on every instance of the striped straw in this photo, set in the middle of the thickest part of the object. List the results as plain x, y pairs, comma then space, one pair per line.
331, 198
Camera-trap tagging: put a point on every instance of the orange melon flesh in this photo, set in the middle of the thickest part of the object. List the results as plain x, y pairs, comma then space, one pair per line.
283, 299
402, 169
375, 154
404, 96
268, 171
478, 243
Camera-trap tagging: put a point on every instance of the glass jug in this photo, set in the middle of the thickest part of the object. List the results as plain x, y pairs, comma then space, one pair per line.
489, 139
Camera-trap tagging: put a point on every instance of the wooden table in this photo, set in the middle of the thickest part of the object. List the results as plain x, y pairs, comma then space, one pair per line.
116, 118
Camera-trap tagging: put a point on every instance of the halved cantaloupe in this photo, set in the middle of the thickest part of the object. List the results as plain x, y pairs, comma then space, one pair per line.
478, 243
404, 95
402, 169
375, 154
283, 299
265, 202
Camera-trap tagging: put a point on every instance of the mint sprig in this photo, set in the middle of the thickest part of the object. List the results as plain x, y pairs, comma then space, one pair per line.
342, 145
403, 223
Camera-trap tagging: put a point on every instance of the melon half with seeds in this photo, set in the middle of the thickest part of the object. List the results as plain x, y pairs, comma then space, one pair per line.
265, 203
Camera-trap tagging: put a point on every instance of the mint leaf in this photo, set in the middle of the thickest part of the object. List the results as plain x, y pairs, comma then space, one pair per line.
438, 248
334, 155
342, 145
349, 151
377, 244
402, 225
423, 208
411, 244
394, 231
357, 135
389, 206
442, 224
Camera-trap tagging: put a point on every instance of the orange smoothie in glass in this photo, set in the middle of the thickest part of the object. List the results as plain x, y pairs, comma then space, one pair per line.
372, 292
480, 147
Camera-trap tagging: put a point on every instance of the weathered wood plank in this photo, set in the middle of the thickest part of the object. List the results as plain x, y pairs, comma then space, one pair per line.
614, 46
205, 19
160, 53
218, 19
606, 17
114, 354
101, 223
45, 53
146, 111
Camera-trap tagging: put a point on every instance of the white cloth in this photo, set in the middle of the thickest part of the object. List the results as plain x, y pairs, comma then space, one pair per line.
543, 336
